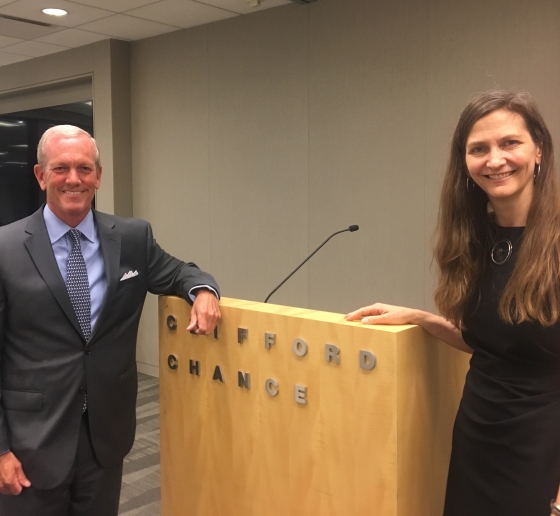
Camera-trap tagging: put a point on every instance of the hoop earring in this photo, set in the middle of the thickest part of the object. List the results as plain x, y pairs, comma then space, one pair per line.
469, 182
536, 172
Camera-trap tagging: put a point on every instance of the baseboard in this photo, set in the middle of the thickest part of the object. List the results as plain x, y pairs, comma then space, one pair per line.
148, 369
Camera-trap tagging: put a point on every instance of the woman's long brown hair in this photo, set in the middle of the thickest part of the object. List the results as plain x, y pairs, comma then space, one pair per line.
466, 231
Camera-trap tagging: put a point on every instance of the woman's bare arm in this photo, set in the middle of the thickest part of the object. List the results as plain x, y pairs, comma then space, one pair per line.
435, 325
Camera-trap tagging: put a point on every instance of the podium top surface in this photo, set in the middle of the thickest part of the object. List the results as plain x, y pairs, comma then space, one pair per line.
304, 313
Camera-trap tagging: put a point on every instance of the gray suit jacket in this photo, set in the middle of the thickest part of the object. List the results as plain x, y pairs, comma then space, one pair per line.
46, 366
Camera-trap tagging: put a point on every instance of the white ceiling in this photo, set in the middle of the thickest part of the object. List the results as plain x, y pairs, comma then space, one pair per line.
88, 21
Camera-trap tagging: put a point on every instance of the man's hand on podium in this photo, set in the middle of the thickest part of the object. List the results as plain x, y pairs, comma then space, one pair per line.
205, 312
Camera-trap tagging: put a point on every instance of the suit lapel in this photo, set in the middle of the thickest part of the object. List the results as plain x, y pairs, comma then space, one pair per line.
110, 240
39, 248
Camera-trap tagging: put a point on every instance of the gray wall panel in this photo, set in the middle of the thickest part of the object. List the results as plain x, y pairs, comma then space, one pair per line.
296, 121
169, 95
258, 153
367, 116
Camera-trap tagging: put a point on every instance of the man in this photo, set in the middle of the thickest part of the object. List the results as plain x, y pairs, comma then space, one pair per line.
72, 285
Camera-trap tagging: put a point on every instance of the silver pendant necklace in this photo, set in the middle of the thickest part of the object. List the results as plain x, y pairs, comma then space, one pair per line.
501, 252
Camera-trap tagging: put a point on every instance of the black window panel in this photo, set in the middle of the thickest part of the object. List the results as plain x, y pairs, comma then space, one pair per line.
20, 194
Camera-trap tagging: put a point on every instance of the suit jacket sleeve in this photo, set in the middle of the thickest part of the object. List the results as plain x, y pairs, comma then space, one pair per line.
4, 443
168, 275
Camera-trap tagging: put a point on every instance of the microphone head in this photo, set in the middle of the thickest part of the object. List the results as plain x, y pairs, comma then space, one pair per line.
353, 228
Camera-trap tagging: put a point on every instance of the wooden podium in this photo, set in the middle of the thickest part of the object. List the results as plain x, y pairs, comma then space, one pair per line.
293, 412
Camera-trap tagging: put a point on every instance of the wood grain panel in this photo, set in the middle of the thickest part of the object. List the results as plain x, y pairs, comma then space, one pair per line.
363, 444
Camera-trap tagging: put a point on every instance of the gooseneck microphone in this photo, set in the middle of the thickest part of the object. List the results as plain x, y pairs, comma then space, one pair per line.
351, 228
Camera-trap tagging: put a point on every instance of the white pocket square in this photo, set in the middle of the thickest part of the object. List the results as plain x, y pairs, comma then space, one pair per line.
128, 275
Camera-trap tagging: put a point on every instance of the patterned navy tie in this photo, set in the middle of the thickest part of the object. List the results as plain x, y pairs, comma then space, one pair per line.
77, 285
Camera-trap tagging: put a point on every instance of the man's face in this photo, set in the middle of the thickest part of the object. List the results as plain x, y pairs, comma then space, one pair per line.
69, 176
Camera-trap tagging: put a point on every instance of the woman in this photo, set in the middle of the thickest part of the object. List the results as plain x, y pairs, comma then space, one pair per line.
498, 251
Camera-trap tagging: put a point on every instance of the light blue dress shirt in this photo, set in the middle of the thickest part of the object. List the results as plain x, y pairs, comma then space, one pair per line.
91, 250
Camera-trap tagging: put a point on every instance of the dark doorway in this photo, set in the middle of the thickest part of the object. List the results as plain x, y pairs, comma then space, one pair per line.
20, 132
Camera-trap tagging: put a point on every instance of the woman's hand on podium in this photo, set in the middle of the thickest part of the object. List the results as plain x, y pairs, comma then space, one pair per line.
380, 313
440, 328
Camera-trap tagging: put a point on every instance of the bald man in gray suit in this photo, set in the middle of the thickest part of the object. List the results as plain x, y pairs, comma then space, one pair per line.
72, 286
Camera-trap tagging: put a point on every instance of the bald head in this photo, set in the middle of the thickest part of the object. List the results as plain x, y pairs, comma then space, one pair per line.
69, 131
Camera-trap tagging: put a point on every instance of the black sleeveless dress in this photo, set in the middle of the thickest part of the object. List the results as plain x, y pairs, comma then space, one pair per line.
505, 459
